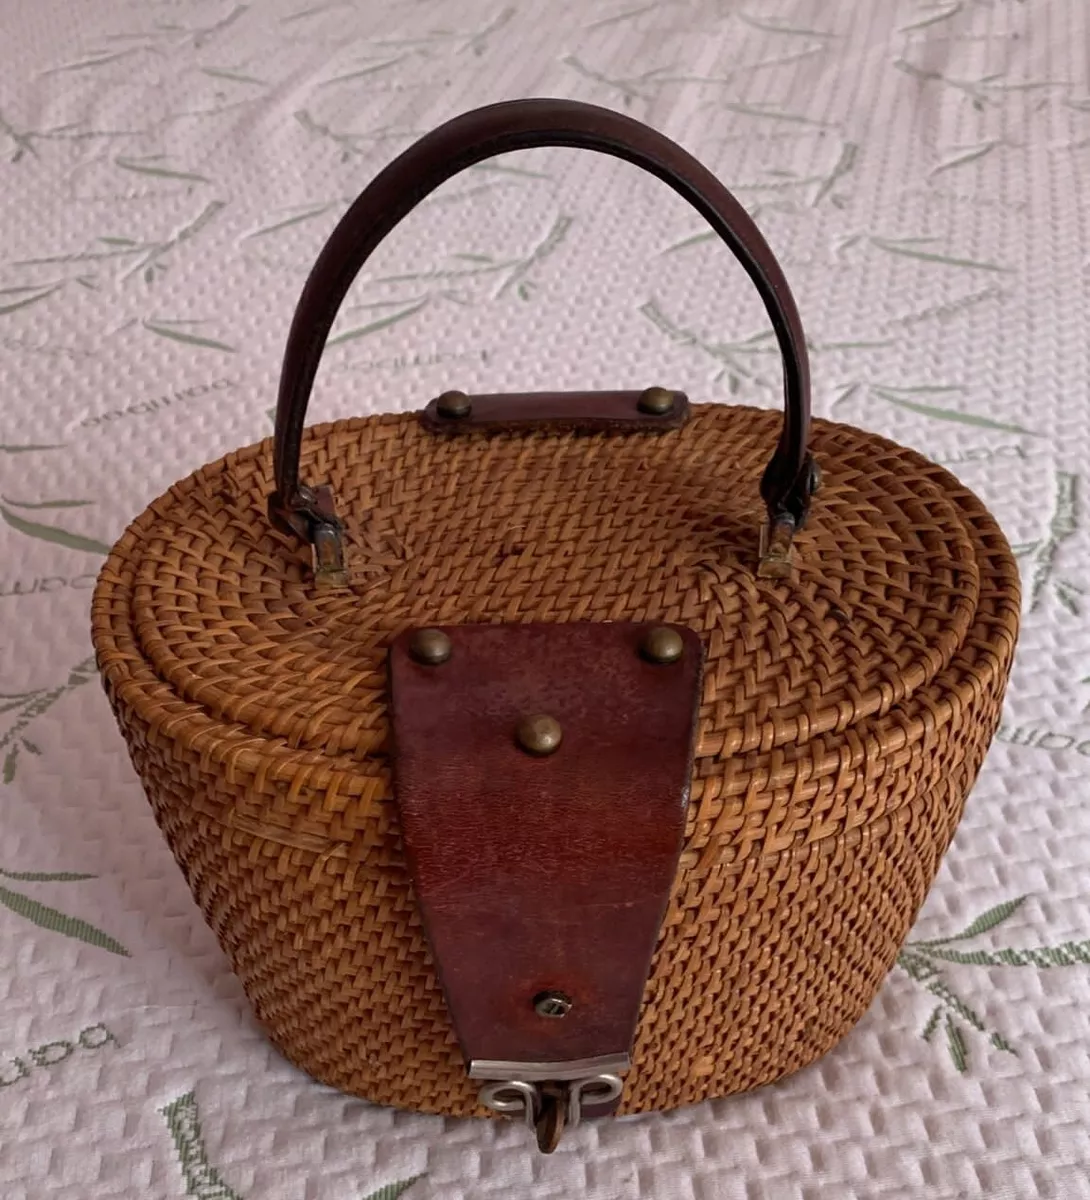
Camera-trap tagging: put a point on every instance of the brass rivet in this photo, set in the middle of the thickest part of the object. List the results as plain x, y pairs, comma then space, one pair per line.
454, 405
662, 645
430, 647
552, 1004
539, 735
657, 401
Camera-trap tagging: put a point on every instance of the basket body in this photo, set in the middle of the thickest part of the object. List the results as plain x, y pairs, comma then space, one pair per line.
844, 716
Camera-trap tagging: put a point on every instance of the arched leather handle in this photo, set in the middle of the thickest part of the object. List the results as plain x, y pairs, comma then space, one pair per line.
788, 480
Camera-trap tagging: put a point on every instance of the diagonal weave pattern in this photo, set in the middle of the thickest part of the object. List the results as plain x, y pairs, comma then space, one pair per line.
844, 716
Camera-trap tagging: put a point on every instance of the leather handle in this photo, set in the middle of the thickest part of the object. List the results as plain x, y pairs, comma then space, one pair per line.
788, 481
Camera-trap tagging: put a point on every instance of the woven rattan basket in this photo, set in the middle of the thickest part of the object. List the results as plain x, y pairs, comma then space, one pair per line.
856, 643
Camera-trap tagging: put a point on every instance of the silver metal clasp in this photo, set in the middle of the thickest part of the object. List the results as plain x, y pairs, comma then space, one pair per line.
552, 1106
513, 1098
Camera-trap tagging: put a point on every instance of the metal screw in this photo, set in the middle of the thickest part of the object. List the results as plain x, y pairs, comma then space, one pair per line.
454, 405
662, 645
552, 1004
657, 401
430, 647
539, 735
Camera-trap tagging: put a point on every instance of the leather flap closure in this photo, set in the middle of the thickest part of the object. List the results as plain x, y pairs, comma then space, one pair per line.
542, 774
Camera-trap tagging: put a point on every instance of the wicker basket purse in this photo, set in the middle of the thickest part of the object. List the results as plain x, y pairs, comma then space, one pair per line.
561, 754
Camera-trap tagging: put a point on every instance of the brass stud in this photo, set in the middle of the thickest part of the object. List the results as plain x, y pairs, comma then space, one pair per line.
539, 735
657, 401
430, 647
552, 1004
662, 645
454, 405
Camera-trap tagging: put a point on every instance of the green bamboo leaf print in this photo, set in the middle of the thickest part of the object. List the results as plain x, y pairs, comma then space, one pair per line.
926, 961
50, 533
619, 17
83, 64
33, 705
157, 250
58, 922
986, 921
841, 167
726, 353
45, 876
1063, 524
382, 323
909, 248
697, 239
1068, 595
202, 1180
628, 88
956, 1043
967, 156
977, 90
363, 72
233, 76
149, 166
504, 169
478, 42
919, 968
310, 214
945, 15
891, 396
116, 251
23, 143
313, 11
542, 250
775, 114
47, 503
29, 300
771, 27
391, 1191
201, 37
951, 308
932, 1023
1066, 954
190, 339
941, 989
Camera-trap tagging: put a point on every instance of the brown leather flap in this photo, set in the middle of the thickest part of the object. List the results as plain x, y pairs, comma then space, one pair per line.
544, 873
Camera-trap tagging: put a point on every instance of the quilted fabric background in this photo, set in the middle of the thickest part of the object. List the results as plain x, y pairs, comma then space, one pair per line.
168, 172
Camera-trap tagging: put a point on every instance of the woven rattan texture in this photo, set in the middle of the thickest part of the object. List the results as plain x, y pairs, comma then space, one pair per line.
843, 719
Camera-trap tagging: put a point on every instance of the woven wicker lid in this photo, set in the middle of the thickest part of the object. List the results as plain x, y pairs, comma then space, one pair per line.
546, 528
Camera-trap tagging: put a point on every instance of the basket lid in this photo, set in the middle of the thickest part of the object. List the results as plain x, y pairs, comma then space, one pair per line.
540, 527
549, 525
